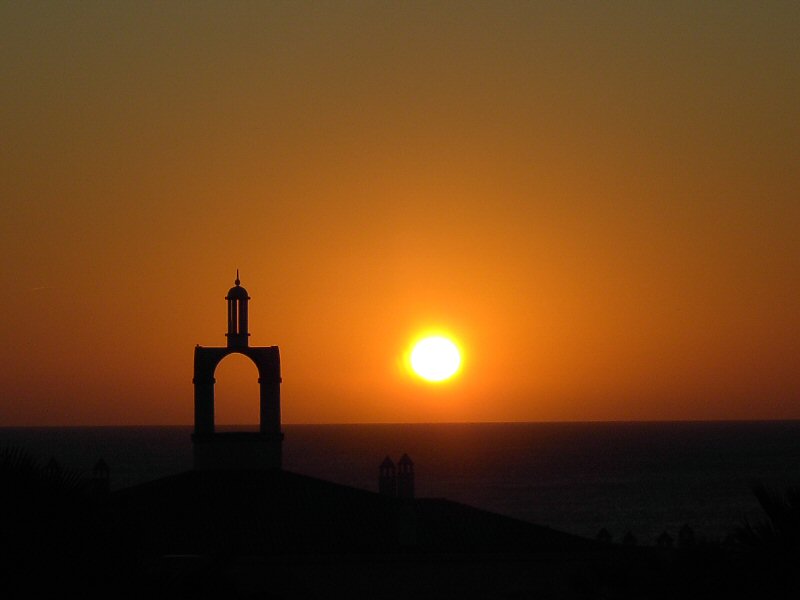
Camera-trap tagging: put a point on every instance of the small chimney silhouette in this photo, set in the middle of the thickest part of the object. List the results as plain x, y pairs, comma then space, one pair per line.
405, 477
664, 540
101, 480
604, 536
387, 479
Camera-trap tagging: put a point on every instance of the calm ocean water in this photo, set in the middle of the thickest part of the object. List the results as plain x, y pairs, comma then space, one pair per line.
577, 477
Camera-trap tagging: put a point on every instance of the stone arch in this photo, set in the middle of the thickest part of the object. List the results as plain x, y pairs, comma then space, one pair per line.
267, 361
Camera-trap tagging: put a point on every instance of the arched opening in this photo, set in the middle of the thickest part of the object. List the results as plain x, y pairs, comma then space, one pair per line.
236, 394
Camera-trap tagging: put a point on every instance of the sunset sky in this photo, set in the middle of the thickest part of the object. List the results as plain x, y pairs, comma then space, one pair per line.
600, 202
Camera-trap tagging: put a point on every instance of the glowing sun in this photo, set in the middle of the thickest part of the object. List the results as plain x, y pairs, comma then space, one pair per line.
435, 358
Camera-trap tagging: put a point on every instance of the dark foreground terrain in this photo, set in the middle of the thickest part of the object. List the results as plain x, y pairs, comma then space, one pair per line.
275, 534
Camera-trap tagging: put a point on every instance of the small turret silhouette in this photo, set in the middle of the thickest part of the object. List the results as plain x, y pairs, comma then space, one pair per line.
686, 536
665, 540
387, 479
101, 480
405, 477
237, 315
604, 536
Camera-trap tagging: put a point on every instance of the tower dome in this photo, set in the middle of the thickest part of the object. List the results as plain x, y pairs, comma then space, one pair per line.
237, 292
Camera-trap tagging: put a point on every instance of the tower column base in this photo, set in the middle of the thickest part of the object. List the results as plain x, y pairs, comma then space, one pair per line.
237, 451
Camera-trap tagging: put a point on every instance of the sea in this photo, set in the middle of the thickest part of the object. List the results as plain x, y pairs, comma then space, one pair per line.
639, 477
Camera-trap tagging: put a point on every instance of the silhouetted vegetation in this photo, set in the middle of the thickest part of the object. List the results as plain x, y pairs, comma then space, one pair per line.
779, 532
55, 534
772, 545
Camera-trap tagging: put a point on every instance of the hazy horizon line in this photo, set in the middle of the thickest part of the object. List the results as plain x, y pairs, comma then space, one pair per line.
378, 423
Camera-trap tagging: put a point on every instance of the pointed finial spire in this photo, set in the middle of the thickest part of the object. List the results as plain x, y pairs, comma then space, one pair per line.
237, 282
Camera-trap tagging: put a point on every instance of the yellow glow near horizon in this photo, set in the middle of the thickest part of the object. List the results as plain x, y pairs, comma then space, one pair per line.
435, 358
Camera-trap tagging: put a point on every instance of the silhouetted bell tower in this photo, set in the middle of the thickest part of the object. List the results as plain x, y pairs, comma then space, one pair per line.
260, 449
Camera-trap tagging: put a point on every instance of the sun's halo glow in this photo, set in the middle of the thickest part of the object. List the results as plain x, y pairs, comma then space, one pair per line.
435, 358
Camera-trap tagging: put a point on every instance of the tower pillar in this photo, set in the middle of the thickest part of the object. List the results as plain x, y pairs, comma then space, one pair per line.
270, 405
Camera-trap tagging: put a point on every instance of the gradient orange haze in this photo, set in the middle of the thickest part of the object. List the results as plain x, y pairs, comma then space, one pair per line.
599, 203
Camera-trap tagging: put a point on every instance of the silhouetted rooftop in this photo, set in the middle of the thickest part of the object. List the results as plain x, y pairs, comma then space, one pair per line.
275, 511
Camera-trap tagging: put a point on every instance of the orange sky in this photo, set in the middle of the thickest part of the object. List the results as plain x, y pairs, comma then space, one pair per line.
599, 201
